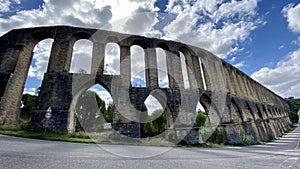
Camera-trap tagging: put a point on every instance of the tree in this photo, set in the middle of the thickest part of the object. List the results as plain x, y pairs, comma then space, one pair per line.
294, 105
155, 125
91, 112
29, 103
201, 119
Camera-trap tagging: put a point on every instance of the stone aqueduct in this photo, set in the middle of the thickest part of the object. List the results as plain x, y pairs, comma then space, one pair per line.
236, 104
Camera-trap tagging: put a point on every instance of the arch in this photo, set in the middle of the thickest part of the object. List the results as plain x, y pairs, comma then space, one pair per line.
81, 61
138, 73
163, 80
205, 101
40, 36
140, 43
82, 35
112, 39
39, 65
164, 104
76, 94
163, 46
112, 59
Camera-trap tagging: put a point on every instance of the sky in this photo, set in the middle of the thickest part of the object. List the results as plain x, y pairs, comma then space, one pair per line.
259, 37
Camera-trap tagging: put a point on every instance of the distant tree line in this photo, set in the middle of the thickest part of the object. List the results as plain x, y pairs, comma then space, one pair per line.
294, 109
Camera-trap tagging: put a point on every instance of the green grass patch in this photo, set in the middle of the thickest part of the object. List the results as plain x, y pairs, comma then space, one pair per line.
46, 136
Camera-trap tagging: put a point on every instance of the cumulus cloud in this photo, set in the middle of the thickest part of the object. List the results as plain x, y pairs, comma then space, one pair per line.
85, 13
5, 5
40, 59
31, 91
292, 13
217, 26
284, 79
82, 56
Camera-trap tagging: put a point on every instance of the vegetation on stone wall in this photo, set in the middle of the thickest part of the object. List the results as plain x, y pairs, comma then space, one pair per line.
294, 109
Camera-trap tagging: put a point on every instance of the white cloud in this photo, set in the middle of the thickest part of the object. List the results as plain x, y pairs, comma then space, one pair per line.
213, 25
82, 56
137, 58
292, 14
284, 79
31, 91
40, 59
5, 5
217, 26
85, 13
112, 59
240, 64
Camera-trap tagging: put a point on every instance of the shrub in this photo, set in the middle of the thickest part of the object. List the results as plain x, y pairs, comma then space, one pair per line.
201, 119
248, 139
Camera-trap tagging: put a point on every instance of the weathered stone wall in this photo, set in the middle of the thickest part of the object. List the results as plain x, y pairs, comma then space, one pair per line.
236, 104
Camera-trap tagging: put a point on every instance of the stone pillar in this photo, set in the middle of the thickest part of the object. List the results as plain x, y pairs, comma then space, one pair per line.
56, 92
125, 66
11, 100
235, 82
230, 82
61, 55
9, 60
170, 69
177, 70
151, 68
206, 77
190, 70
98, 58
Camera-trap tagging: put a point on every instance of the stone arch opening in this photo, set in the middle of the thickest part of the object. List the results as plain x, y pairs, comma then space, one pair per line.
81, 61
184, 68
202, 115
91, 107
163, 80
163, 46
202, 73
206, 106
38, 66
112, 59
156, 116
138, 73
33, 82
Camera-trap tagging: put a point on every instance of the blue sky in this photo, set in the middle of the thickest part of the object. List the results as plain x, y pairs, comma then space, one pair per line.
260, 37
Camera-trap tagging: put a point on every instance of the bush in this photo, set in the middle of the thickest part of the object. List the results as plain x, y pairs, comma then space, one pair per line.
248, 139
201, 119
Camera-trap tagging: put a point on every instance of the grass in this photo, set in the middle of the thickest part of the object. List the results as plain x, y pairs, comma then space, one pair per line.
82, 138
46, 136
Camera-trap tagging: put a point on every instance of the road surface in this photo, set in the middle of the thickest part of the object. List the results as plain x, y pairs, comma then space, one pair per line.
23, 153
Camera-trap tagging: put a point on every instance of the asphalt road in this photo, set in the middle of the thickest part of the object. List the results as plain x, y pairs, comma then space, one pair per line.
17, 153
